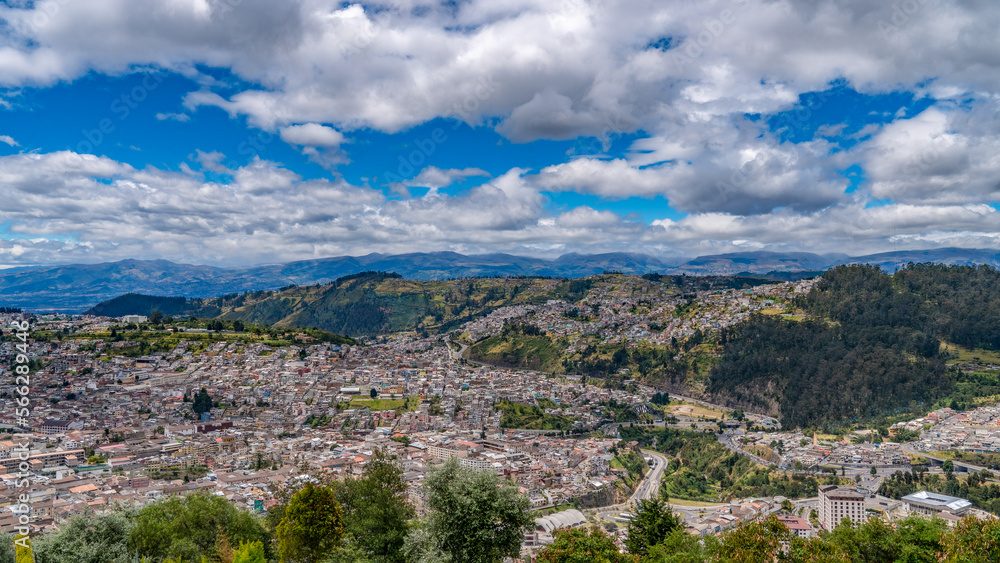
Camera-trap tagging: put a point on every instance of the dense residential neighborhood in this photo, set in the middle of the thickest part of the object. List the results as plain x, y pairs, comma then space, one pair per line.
241, 418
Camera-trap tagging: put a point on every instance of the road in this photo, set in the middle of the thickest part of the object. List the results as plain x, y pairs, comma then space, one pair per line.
727, 440
650, 485
647, 488
908, 448
650, 488
455, 356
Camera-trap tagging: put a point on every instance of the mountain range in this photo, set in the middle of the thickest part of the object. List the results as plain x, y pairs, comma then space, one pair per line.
76, 287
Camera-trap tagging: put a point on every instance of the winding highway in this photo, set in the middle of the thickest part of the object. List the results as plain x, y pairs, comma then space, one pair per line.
650, 485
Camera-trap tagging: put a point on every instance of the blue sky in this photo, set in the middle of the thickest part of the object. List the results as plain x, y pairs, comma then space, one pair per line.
236, 133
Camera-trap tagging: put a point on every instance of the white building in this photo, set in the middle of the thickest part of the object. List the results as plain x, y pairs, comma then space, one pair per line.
934, 504
135, 319
798, 526
546, 525
837, 503
480, 463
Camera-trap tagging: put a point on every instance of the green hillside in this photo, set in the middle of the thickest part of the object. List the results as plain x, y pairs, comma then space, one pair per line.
372, 303
138, 304
702, 469
380, 303
870, 349
519, 346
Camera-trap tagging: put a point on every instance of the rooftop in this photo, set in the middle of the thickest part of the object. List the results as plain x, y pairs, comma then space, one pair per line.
941, 501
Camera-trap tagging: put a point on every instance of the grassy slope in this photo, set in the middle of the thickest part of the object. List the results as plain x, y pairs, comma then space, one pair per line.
530, 417
374, 306
531, 352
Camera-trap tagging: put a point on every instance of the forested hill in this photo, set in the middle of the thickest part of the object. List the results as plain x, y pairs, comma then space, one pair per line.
371, 303
138, 304
363, 304
870, 346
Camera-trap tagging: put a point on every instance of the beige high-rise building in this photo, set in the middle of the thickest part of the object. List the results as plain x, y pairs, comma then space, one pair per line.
837, 503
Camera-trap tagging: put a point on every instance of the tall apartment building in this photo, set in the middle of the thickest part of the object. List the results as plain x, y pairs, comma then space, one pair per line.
837, 503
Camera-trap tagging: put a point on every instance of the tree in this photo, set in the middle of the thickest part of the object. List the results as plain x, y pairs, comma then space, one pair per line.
874, 471
871, 541
373, 393
582, 546
755, 542
156, 317
312, 526
88, 538
202, 402
9, 549
250, 552
23, 552
653, 521
474, 516
682, 547
973, 540
920, 538
189, 527
948, 466
814, 550
376, 509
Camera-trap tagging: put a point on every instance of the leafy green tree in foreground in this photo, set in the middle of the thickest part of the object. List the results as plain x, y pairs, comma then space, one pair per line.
376, 510
8, 551
190, 527
682, 547
88, 538
250, 552
972, 541
312, 527
475, 517
653, 522
755, 542
581, 546
913, 540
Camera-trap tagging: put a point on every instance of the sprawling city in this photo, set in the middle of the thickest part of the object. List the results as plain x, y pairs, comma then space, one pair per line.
130, 410
497, 281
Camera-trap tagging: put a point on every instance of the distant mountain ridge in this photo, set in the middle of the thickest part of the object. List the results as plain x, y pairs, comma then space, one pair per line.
757, 262
76, 287
892, 261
